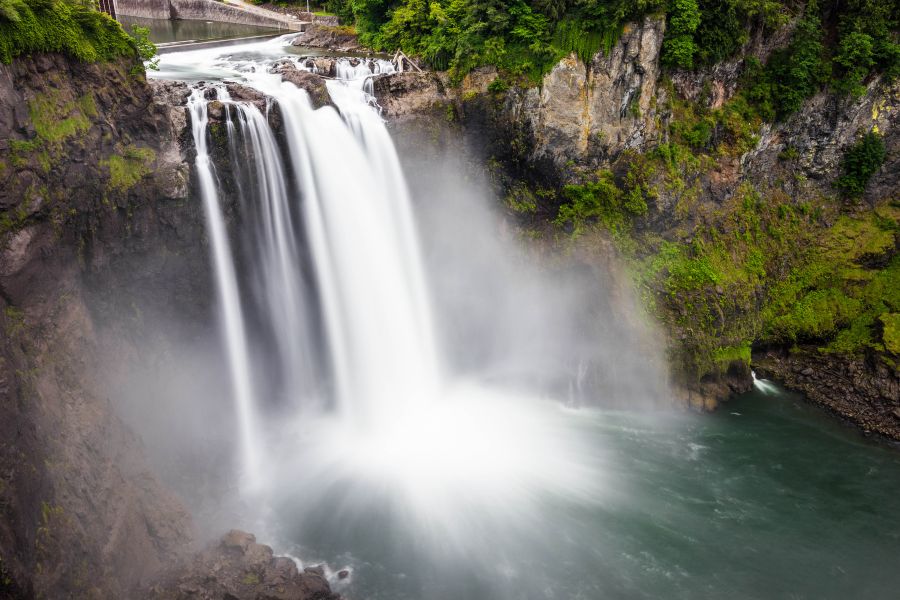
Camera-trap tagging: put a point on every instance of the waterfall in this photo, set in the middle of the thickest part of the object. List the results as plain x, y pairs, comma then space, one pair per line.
327, 317
271, 241
362, 242
352, 212
229, 299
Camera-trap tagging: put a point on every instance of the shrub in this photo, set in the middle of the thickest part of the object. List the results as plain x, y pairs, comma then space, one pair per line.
679, 47
29, 26
861, 161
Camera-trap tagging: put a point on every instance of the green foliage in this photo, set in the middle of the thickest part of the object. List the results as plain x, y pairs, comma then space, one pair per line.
521, 38
759, 269
601, 200
679, 47
589, 202
890, 323
792, 75
816, 315
829, 295
729, 130
29, 26
861, 161
867, 41
725, 356
855, 57
145, 48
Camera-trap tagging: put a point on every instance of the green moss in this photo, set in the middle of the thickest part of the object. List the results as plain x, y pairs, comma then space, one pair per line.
129, 168
723, 357
88, 106
56, 120
30, 26
891, 332
250, 579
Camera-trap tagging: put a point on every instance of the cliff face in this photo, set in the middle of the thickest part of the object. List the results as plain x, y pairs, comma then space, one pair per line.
733, 229
92, 183
590, 113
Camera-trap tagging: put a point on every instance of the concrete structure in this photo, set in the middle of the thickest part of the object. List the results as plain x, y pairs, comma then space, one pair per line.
207, 10
109, 7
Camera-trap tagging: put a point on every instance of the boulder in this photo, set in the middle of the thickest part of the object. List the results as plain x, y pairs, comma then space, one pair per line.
239, 568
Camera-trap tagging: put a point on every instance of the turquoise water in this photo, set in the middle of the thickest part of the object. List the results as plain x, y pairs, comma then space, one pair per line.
767, 498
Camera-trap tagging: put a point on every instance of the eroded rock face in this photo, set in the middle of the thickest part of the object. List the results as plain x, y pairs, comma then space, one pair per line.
402, 95
238, 568
92, 177
594, 112
819, 134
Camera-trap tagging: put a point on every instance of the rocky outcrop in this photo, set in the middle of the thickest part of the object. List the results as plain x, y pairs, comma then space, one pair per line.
313, 83
238, 568
337, 38
863, 390
410, 94
591, 113
803, 155
92, 174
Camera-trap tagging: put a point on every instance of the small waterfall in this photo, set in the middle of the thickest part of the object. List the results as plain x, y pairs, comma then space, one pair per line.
231, 313
763, 385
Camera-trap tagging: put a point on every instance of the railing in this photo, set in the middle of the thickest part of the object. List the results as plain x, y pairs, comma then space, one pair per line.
109, 7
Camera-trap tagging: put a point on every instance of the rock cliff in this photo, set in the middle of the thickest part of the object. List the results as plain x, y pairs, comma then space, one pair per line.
91, 175
724, 221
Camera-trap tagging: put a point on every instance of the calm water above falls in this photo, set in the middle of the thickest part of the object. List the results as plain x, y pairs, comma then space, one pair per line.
433, 481
176, 30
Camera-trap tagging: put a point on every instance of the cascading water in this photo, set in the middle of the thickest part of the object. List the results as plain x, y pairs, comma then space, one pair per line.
272, 244
423, 430
397, 416
229, 299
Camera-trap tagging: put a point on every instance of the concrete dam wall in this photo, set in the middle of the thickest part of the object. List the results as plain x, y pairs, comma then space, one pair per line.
206, 10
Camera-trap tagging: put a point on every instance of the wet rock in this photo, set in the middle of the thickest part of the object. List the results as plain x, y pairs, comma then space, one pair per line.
313, 84
74, 476
410, 93
336, 38
239, 568
863, 390
216, 110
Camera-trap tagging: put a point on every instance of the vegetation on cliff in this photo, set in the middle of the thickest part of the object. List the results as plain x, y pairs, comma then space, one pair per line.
760, 269
68, 26
839, 43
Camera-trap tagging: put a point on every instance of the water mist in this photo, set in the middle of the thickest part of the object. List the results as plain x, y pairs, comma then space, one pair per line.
356, 415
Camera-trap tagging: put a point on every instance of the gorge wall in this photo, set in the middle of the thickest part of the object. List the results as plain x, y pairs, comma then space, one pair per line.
93, 184
733, 229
